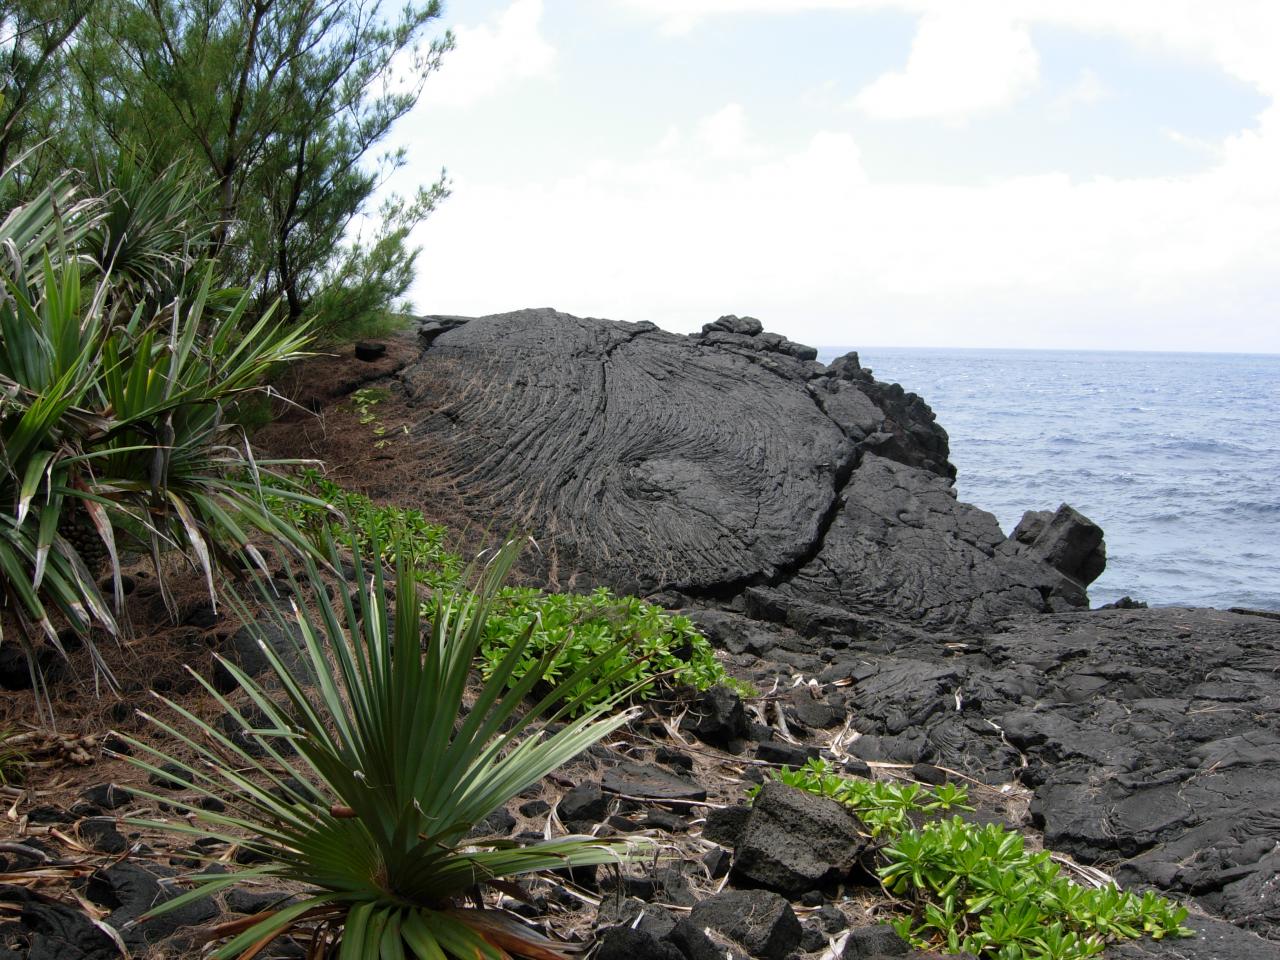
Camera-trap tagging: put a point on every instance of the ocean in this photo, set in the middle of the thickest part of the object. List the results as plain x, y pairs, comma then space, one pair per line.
1175, 455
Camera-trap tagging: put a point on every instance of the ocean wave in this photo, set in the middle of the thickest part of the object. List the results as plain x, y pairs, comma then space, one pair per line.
1240, 509
1203, 446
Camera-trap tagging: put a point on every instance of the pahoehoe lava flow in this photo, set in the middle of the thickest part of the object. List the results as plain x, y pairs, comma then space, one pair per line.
804, 515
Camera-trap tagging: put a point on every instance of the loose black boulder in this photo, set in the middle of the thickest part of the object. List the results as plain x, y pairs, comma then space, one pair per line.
129, 890
46, 930
763, 923
624, 943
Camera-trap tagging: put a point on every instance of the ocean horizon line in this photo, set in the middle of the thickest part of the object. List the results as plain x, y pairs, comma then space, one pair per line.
863, 348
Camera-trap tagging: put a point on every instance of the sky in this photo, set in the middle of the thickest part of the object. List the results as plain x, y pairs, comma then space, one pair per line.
1066, 174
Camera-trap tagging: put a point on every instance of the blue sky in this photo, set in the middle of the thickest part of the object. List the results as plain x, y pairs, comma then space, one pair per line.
922, 172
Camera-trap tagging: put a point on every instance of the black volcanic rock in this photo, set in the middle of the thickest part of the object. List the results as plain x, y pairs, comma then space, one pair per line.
661, 460
624, 943
893, 422
1065, 539
716, 716
1148, 736
902, 545
794, 841
48, 929
647, 782
763, 923
129, 890
804, 515
713, 462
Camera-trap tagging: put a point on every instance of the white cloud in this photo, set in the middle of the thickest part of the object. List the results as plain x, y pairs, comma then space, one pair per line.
724, 133
1238, 35
492, 56
806, 241
1210, 148
961, 63
715, 219
1088, 88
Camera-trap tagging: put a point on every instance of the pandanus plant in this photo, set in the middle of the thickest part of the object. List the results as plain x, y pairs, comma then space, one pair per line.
114, 392
378, 756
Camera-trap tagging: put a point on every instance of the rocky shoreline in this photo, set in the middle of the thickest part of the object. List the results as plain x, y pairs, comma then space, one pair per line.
803, 514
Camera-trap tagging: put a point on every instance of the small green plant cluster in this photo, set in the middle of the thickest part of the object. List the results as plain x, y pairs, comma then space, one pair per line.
882, 805
579, 628
365, 401
644, 643
398, 529
977, 889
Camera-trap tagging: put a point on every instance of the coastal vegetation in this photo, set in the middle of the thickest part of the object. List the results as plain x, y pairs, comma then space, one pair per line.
638, 644
179, 185
643, 647
366, 783
975, 887
124, 354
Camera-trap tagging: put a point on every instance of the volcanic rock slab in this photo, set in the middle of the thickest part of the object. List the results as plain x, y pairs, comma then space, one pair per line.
711, 462
661, 461
1151, 738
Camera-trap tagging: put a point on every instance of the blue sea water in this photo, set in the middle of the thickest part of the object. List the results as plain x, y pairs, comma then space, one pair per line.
1176, 456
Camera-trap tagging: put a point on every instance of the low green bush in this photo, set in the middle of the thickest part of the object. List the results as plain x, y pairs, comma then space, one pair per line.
880, 804
649, 644
975, 888
402, 532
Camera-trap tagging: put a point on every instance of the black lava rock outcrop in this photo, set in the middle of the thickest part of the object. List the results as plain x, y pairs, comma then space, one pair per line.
711, 462
804, 515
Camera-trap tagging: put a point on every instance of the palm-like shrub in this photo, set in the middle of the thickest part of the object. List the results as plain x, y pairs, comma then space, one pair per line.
112, 414
392, 771
152, 228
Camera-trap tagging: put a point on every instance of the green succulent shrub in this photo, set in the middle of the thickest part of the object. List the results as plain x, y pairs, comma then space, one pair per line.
395, 765
642, 644
884, 806
115, 381
976, 888
400, 533
648, 644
